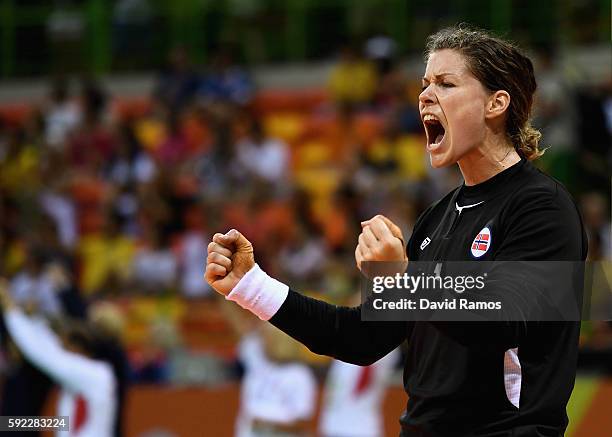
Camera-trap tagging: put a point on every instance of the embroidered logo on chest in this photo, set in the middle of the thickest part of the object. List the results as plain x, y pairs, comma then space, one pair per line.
481, 243
425, 242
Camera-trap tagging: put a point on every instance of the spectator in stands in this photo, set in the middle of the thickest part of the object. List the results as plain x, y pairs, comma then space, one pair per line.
131, 163
58, 205
177, 83
396, 154
211, 168
261, 157
192, 245
19, 164
382, 50
62, 115
151, 363
353, 79
396, 97
226, 81
155, 266
94, 100
93, 143
174, 149
593, 206
303, 256
106, 258
392, 92
555, 112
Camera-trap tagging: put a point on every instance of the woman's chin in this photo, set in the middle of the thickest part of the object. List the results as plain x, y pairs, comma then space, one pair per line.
438, 162
439, 157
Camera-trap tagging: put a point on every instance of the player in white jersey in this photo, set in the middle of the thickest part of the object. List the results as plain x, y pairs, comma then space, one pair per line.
352, 405
278, 393
87, 385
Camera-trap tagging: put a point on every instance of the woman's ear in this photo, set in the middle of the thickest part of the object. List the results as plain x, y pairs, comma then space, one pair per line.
498, 104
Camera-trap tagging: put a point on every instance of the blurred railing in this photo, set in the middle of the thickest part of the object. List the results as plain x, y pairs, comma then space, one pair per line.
39, 37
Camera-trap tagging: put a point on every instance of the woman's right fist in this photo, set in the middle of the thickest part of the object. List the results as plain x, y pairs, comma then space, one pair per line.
230, 257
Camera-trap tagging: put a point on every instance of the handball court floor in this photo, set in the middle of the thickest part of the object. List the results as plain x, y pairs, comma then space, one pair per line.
202, 412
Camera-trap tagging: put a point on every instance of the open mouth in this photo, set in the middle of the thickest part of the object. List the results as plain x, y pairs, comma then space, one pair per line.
435, 131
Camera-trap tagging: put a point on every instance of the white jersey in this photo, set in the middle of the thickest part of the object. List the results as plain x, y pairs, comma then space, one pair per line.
273, 392
87, 386
352, 404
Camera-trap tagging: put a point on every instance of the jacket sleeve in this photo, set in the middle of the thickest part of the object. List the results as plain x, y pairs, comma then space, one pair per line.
338, 331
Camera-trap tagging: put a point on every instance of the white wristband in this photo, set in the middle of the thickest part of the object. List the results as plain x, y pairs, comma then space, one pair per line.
259, 293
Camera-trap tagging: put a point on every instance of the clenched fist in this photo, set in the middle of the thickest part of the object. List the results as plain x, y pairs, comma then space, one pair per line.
381, 240
230, 257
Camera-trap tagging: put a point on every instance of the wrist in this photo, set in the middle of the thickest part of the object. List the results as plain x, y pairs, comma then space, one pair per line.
259, 293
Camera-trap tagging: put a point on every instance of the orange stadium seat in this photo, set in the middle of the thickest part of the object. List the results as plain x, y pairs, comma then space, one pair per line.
15, 114
289, 100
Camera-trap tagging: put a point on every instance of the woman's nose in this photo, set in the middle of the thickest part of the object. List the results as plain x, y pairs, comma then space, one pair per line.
427, 97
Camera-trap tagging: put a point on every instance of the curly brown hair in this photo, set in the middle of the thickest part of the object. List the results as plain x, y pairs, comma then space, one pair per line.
499, 65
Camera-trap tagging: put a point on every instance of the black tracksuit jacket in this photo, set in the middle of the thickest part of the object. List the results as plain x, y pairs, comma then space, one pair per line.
454, 371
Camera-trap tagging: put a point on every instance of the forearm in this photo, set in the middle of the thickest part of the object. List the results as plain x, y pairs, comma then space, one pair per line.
29, 336
336, 331
42, 348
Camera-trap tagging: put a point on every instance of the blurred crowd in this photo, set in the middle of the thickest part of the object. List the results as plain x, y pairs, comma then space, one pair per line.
103, 201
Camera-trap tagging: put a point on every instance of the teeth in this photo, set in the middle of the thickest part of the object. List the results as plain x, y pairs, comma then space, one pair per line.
429, 117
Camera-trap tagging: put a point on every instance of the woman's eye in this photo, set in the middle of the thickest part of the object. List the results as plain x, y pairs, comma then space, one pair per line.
447, 85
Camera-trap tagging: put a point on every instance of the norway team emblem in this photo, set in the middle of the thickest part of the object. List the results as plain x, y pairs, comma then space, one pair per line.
481, 243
